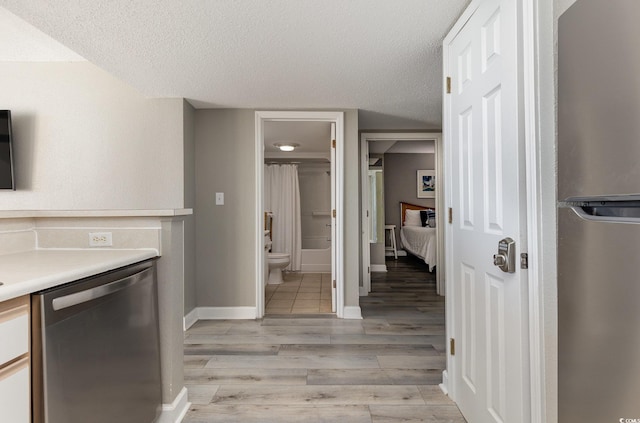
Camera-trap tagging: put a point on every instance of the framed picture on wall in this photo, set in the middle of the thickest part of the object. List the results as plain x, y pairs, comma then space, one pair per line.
426, 184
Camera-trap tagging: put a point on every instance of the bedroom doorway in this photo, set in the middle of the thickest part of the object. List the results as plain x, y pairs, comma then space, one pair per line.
380, 210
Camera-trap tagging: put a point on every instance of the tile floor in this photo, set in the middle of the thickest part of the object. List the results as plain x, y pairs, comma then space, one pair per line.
300, 293
383, 368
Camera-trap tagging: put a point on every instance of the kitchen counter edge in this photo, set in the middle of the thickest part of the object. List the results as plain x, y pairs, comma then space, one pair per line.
31, 271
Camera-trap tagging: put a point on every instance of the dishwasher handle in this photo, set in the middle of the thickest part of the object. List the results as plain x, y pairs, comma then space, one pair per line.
90, 294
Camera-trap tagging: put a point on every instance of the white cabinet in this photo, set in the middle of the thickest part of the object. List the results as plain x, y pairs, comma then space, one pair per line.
15, 396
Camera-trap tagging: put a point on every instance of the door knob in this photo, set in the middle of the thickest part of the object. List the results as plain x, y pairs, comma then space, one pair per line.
506, 257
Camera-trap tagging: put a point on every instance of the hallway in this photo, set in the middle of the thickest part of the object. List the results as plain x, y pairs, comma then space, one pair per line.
383, 368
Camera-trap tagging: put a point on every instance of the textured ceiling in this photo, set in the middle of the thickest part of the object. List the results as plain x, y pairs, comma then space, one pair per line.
21, 42
383, 57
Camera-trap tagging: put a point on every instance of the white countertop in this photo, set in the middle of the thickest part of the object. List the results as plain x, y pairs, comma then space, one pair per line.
16, 214
31, 271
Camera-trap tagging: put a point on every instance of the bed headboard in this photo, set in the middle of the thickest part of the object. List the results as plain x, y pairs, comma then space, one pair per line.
408, 206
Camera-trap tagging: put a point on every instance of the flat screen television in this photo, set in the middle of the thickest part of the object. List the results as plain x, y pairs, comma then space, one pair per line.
6, 151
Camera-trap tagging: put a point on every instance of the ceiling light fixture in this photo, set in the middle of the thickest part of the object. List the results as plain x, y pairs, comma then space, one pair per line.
289, 146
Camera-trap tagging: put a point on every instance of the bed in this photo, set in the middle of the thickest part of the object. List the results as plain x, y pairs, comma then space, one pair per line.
419, 240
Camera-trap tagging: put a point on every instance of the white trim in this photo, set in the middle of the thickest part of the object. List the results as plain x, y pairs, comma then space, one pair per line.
364, 217
379, 267
302, 116
366, 137
352, 312
533, 141
450, 318
440, 217
226, 313
190, 318
259, 183
444, 386
175, 412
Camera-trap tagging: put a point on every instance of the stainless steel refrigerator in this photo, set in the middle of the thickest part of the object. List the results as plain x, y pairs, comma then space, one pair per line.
599, 212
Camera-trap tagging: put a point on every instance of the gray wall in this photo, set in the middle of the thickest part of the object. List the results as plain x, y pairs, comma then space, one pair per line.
189, 202
352, 254
225, 235
400, 184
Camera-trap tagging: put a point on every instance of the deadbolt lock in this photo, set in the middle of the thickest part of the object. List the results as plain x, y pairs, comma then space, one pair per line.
506, 257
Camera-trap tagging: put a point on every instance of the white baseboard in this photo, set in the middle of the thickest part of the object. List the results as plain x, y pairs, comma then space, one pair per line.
379, 267
190, 318
352, 312
175, 412
223, 313
362, 291
401, 253
445, 382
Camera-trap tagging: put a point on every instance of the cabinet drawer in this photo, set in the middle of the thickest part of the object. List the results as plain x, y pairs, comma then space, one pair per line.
15, 402
14, 329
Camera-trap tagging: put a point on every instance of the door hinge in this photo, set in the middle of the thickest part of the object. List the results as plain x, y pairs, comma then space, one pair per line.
524, 261
448, 85
452, 346
333, 213
334, 283
367, 213
368, 269
333, 143
450, 215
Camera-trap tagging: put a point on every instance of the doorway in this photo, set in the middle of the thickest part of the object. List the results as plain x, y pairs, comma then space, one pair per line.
326, 224
400, 143
297, 205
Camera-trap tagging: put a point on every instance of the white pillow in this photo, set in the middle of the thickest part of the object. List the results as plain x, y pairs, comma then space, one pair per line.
412, 218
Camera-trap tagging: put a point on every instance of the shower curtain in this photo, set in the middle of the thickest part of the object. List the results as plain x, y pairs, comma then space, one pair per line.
282, 198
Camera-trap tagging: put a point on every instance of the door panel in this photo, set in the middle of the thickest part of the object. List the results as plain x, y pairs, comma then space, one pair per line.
490, 378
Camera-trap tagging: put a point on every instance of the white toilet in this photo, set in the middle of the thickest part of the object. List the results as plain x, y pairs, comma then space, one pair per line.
277, 262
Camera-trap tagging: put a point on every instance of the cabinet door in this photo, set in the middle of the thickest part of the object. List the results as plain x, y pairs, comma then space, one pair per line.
15, 378
14, 332
15, 404
14, 329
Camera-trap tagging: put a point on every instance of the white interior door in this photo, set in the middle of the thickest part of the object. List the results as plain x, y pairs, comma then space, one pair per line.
333, 218
485, 172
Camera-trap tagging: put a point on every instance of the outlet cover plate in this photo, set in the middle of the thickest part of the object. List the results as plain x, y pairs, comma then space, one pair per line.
100, 239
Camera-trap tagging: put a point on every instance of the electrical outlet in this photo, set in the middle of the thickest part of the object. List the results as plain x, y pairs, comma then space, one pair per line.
100, 239
219, 198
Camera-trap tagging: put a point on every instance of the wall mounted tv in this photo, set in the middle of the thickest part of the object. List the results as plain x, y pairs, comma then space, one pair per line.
6, 151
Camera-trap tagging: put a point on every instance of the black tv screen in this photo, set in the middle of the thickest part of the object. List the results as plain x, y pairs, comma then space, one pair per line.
6, 156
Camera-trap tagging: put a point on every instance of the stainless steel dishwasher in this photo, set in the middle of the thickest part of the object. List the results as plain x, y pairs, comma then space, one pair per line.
96, 350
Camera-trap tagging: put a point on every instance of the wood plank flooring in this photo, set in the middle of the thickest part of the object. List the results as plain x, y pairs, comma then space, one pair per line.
384, 368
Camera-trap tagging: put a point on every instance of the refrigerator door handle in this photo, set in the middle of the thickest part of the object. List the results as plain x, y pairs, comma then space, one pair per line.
618, 212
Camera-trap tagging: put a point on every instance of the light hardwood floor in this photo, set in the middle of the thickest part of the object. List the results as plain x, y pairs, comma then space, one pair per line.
384, 368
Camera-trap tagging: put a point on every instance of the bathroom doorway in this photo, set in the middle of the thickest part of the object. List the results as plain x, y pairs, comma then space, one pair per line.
300, 179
